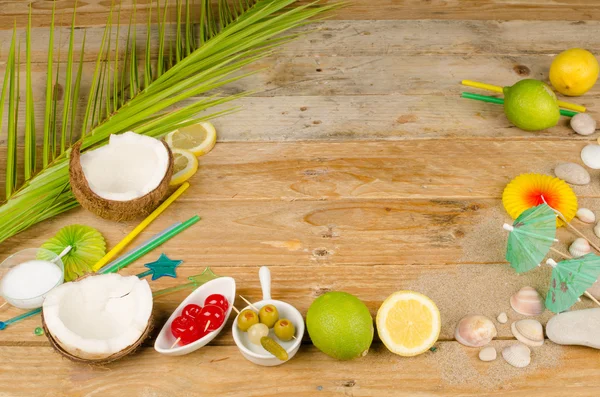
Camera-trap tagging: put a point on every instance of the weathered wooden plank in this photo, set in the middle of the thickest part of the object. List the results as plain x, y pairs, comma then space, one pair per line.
95, 12
315, 75
427, 169
360, 38
381, 117
208, 372
458, 290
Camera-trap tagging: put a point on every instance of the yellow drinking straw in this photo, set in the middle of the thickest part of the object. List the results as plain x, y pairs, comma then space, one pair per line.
139, 228
495, 88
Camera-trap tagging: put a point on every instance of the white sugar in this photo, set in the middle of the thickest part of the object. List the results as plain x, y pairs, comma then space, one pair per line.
30, 279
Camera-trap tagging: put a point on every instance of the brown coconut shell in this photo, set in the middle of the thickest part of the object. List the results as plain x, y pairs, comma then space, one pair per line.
110, 209
98, 361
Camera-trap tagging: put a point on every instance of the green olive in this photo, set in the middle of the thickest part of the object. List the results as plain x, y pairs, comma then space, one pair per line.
268, 315
246, 319
284, 329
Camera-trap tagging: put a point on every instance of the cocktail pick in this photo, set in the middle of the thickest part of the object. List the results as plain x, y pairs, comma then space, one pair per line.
249, 303
529, 190
163, 266
570, 279
195, 281
531, 237
253, 307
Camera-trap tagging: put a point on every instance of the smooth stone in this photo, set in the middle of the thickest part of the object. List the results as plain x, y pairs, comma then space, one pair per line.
594, 290
572, 173
583, 124
488, 354
590, 155
597, 230
502, 318
579, 327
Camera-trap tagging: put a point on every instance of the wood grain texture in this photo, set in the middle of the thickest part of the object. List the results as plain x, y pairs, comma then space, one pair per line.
95, 12
372, 80
360, 38
209, 373
355, 167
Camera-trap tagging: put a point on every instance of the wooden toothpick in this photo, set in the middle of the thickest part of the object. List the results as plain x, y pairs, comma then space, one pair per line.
176, 342
235, 309
249, 303
566, 256
591, 297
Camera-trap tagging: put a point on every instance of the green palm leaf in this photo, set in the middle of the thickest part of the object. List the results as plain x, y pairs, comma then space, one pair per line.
531, 236
228, 39
570, 279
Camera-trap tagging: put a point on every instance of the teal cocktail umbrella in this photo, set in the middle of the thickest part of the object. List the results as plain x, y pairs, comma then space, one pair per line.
531, 236
570, 279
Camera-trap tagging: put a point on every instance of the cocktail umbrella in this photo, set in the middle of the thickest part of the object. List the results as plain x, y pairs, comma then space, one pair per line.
528, 190
570, 279
531, 237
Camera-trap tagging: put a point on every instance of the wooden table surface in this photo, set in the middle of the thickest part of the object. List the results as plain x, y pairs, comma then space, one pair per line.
356, 167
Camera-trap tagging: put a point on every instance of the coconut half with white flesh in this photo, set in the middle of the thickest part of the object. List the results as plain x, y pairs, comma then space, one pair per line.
99, 318
123, 180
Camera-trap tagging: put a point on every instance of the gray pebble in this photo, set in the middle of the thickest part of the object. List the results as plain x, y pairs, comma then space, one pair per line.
572, 173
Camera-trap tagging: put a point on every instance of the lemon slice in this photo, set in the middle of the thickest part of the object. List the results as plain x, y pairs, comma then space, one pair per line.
197, 138
185, 165
408, 323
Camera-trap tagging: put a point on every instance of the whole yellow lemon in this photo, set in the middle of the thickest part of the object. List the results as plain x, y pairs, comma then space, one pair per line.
573, 72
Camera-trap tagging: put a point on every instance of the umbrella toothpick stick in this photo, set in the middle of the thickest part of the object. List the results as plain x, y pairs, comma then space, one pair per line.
566, 256
552, 263
562, 218
249, 303
583, 236
175, 343
592, 298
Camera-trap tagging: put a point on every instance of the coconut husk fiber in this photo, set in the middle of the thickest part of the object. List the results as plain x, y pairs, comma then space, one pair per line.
110, 209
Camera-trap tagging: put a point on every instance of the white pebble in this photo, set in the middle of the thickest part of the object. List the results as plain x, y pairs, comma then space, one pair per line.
590, 155
583, 124
488, 354
502, 318
585, 215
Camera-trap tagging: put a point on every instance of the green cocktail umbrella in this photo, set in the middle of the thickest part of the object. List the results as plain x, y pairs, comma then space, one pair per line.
531, 236
570, 279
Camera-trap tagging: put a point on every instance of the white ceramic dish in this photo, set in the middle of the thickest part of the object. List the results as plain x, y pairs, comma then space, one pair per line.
222, 285
257, 354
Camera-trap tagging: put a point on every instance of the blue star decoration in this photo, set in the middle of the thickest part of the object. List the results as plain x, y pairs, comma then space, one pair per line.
163, 266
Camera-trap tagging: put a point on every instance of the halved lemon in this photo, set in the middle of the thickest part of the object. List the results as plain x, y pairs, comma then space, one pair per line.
408, 323
197, 138
185, 165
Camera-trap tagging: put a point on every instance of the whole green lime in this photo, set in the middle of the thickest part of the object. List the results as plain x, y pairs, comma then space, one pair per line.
340, 325
531, 105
